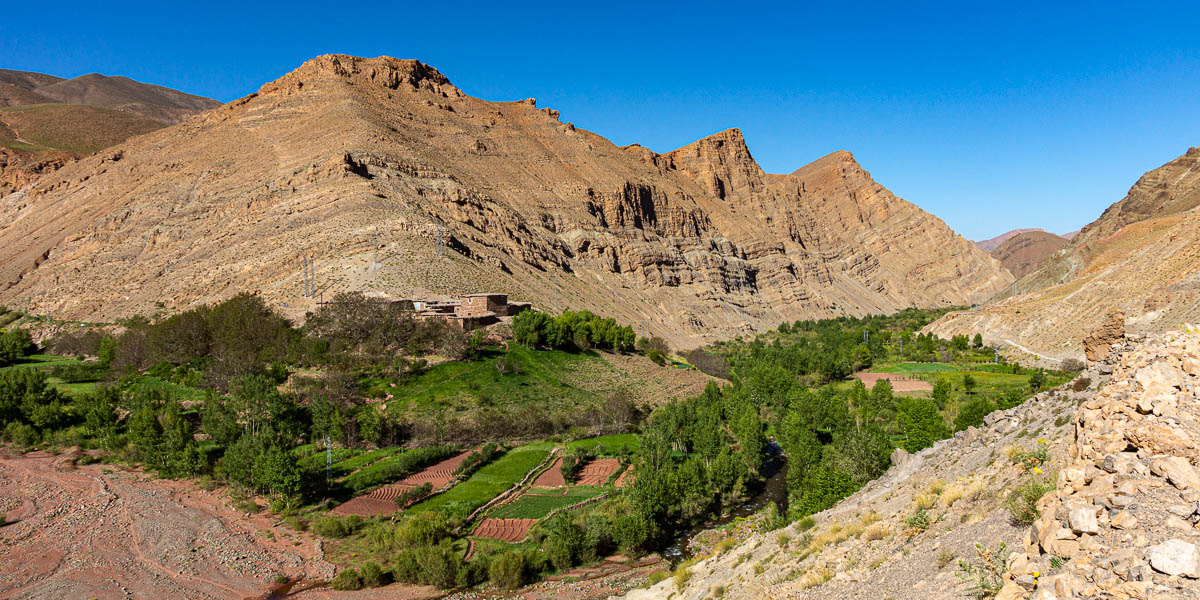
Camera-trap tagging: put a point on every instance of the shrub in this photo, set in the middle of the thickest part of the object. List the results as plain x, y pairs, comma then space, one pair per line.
1022, 500
1072, 365
435, 564
985, 575
336, 527
411, 496
373, 576
918, 522
1081, 383
348, 579
507, 569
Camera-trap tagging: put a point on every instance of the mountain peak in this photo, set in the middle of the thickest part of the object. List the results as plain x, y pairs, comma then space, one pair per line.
382, 71
837, 163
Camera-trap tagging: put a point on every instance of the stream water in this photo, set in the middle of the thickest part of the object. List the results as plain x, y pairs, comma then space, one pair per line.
773, 490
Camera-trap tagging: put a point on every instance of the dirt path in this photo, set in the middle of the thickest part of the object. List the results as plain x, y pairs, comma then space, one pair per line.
104, 532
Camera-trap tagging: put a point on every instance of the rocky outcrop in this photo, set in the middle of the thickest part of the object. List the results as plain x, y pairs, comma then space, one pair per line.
1098, 343
464, 194
1124, 521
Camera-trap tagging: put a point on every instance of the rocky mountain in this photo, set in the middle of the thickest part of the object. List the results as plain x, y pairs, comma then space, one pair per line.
396, 182
993, 243
48, 121
1122, 523
1141, 258
1023, 253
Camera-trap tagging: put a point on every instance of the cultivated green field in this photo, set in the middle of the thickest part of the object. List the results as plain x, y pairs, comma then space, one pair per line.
610, 445
489, 481
535, 503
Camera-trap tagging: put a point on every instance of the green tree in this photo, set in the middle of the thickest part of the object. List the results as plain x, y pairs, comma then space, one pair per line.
968, 383
941, 392
921, 423
978, 341
972, 413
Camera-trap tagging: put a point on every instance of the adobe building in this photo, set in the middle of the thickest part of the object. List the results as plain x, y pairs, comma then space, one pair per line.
471, 311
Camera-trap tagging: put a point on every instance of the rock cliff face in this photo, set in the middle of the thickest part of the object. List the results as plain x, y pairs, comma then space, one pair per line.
463, 195
1141, 257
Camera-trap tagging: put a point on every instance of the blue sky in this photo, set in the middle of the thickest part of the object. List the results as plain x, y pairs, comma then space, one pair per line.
991, 115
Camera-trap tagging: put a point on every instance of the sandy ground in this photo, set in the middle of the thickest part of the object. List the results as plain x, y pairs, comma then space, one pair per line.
900, 383
100, 531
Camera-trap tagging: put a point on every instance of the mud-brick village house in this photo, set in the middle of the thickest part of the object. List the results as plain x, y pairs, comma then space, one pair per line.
469, 312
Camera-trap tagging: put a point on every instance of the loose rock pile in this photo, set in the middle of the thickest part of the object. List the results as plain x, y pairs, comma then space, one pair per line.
1123, 521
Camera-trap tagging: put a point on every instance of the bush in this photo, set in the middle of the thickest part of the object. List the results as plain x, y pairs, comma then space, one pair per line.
330, 526
15, 344
411, 496
918, 522
373, 576
437, 564
348, 579
985, 576
507, 569
1022, 500
1081, 383
1072, 365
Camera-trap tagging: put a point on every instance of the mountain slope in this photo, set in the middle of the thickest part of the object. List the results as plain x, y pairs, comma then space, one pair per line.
993, 243
48, 121
1025, 252
153, 102
1141, 257
696, 244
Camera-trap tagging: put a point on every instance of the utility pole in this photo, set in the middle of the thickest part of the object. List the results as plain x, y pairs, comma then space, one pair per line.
328, 461
375, 249
440, 244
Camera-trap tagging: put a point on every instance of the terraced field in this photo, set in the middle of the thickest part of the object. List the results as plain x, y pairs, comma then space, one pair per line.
489, 481
536, 504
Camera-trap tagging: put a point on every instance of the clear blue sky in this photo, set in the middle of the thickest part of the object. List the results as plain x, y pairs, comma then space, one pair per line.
991, 115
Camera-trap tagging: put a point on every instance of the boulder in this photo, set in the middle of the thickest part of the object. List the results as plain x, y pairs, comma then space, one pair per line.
1098, 343
1175, 557
1177, 470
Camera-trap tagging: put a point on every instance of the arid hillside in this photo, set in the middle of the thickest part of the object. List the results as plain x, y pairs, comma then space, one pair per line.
47, 121
993, 243
1140, 258
462, 195
1025, 252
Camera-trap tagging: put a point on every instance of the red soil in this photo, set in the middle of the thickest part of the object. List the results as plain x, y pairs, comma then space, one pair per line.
552, 478
383, 500
625, 479
508, 530
598, 471
900, 383
98, 531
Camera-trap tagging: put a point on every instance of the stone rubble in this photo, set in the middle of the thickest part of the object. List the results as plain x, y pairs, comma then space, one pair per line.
1124, 520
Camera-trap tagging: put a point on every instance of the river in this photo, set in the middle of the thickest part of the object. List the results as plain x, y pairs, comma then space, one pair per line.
774, 490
